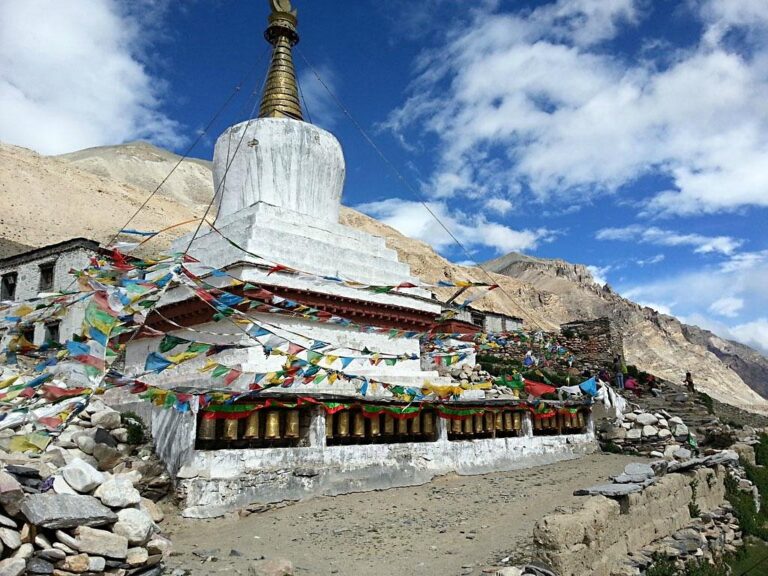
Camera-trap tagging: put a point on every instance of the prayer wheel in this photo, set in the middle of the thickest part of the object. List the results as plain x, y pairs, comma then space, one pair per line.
489, 421
358, 425
342, 424
375, 426
582, 420
252, 427
328, 425
469, 427
456, 427
207, 429
402, 427
389, 425
499, 421
273, 425
416, 425
428, 423
478, 423
292, 424
509, 424
518, 421
537, 423
230, 429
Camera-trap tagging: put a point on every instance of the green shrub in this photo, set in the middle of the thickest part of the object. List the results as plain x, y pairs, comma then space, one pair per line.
706, 399
761, 450
137, 431
752, 523
633, 371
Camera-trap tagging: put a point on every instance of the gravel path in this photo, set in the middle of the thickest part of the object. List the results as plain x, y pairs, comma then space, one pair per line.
452, 525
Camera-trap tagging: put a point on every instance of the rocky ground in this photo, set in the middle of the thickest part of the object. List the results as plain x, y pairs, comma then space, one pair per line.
454, 525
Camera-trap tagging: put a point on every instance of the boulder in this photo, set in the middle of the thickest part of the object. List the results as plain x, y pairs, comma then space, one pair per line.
679, 430
25, 551
675, 420
96, 564
634, 434
159, 545
65, 511
118, 492
82, 476
85, 443
107, 456
102, 543
662, 423
664, 434
39, 565
134, 524
52, 554
136, 556
646, 419
78, 563
60, 486
639, 469
649, 431
615, 434
11, 493
104, 437
273, 567
152, 509
121, 435
108, 419
12, 567
630, 417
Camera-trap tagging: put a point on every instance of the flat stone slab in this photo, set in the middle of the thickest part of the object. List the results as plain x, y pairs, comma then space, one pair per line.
609, 490
639, 469
66, 511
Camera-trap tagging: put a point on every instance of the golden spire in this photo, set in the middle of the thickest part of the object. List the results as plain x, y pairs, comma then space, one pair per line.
281, 93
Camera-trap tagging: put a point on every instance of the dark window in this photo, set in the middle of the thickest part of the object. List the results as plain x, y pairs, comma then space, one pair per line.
28, 332
8, 286
52, 332
46, 276
477, 319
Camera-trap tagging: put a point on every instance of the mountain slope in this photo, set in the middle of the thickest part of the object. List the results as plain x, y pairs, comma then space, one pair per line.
95, 190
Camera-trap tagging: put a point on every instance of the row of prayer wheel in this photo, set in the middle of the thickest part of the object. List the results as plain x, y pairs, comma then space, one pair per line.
560, 422
493, 423
347, 424
269, 425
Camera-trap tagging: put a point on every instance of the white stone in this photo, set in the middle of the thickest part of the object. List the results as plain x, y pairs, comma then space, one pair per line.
13, 567
108, 419
136, 556
118, 492
676, 420
82, 476
85, 443
151, 509
24, 551
102, 543
10, 538
650, 431
134, 524
120, 434
664, 433
634, 434
680, 430
96, 564
630, 417
60, 486
662, 423
646, 419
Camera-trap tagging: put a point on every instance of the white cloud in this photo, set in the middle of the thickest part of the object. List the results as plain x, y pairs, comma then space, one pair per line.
413, 219
652, 235
500, 205
536, 91
727, 306
753, 333
662, 308
652, 260
599, 274
70, 76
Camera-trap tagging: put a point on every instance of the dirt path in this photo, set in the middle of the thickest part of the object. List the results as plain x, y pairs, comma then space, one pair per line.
453, 525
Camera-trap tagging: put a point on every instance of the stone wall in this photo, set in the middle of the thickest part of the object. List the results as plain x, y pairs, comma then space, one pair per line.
593, 343
596, 539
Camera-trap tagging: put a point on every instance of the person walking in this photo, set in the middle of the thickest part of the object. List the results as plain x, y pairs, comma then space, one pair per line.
689, 383
618, 373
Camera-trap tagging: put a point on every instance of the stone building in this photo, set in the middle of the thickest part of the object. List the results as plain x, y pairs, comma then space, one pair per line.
40, 270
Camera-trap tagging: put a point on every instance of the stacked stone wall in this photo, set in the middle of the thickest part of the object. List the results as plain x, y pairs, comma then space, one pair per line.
593, 343
596, 539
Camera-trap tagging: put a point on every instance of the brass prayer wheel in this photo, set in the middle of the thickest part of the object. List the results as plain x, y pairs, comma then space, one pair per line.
456, 427
389, 425
479, 423
402, 427
252, 427
207, 429
582, 420
537, 423
375, 426
328, 425
416, 425
499, 422
518, 421
342, 424
428, 423
469, 427
508, 422
489, 421
230, 429
358, 425
273, 425
292, 424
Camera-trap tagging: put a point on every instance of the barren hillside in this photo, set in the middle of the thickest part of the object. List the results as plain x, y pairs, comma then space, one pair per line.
92, 192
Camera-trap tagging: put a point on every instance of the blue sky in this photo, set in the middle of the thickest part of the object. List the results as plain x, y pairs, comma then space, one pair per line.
628, 135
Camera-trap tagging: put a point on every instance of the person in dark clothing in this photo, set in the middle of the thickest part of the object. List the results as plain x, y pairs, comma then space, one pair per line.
618, 373
689, 383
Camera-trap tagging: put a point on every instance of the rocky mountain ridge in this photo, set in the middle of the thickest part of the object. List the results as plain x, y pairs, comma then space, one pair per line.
95, 190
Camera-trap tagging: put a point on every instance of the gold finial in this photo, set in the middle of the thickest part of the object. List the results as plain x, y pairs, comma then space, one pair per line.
281, 93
